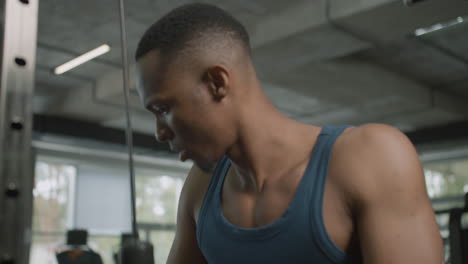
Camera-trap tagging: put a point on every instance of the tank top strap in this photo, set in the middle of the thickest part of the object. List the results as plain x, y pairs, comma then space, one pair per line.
316, 189
224, 166
214, 186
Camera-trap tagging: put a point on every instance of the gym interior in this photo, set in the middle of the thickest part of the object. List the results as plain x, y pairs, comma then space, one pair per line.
73, 136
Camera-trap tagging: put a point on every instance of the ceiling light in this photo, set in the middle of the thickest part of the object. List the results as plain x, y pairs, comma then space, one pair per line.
82, 59
439, 26
411, 2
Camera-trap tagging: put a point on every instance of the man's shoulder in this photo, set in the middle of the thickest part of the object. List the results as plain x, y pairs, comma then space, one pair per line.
195, 188
370, 131
366, 156
370, 141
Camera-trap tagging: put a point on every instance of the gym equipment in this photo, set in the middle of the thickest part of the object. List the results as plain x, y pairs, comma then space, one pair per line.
77, 250
77, 237
458, 235
18, 60
132, 250
127, 252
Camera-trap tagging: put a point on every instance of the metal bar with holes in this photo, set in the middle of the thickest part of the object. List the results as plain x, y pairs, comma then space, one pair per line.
16, 159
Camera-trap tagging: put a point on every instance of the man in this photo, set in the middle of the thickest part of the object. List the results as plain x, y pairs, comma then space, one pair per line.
266, 188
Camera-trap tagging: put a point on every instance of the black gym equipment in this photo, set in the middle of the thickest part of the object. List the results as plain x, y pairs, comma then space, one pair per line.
132, 249
77, 250
458, 235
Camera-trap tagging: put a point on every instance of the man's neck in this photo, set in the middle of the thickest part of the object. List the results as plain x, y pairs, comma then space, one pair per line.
270, 146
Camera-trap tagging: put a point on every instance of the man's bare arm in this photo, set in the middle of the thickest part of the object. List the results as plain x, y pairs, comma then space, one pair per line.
395, 220
185, 248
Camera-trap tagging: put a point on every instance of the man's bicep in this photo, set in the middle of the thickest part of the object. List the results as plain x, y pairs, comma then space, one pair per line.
395, 220
185, 247
405, 235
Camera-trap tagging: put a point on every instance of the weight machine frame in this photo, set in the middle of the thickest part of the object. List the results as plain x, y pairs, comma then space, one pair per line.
18, 60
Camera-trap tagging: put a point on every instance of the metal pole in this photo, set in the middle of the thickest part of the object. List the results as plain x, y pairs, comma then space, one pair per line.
128, 130
16, 158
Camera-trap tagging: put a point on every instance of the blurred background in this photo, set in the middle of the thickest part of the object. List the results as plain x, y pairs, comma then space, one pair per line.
322, 62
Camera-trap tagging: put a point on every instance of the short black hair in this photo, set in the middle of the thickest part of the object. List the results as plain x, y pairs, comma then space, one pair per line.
182, 25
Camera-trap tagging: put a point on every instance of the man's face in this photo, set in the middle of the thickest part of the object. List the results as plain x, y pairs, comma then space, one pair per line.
187, 116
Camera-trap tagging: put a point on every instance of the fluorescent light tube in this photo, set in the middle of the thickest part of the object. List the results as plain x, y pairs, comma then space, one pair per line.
82, 59
439, 26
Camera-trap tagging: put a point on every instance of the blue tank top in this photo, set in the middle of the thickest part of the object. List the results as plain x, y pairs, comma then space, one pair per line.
298, 236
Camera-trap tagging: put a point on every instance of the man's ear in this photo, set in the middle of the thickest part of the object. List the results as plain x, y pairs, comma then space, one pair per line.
217, 81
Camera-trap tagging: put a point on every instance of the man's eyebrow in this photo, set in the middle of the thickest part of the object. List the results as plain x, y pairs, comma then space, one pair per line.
154, 100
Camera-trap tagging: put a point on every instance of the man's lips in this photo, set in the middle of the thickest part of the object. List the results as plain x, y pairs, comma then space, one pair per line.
183, 156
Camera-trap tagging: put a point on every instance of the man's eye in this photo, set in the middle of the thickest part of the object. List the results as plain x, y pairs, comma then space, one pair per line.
161, 110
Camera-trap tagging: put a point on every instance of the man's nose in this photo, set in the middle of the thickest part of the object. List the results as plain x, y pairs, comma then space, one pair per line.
163, 133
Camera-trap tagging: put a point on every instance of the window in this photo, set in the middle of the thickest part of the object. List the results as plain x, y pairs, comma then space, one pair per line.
52, 214
447, 178
74, 193
157, 197
447, 182
162, 241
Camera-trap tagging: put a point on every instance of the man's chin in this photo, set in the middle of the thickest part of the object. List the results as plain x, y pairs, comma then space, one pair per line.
207, 167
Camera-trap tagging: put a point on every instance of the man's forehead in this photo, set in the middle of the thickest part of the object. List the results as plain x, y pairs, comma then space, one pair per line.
149, 71
150, 64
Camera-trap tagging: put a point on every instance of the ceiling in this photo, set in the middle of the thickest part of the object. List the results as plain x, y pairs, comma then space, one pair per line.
321, 62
